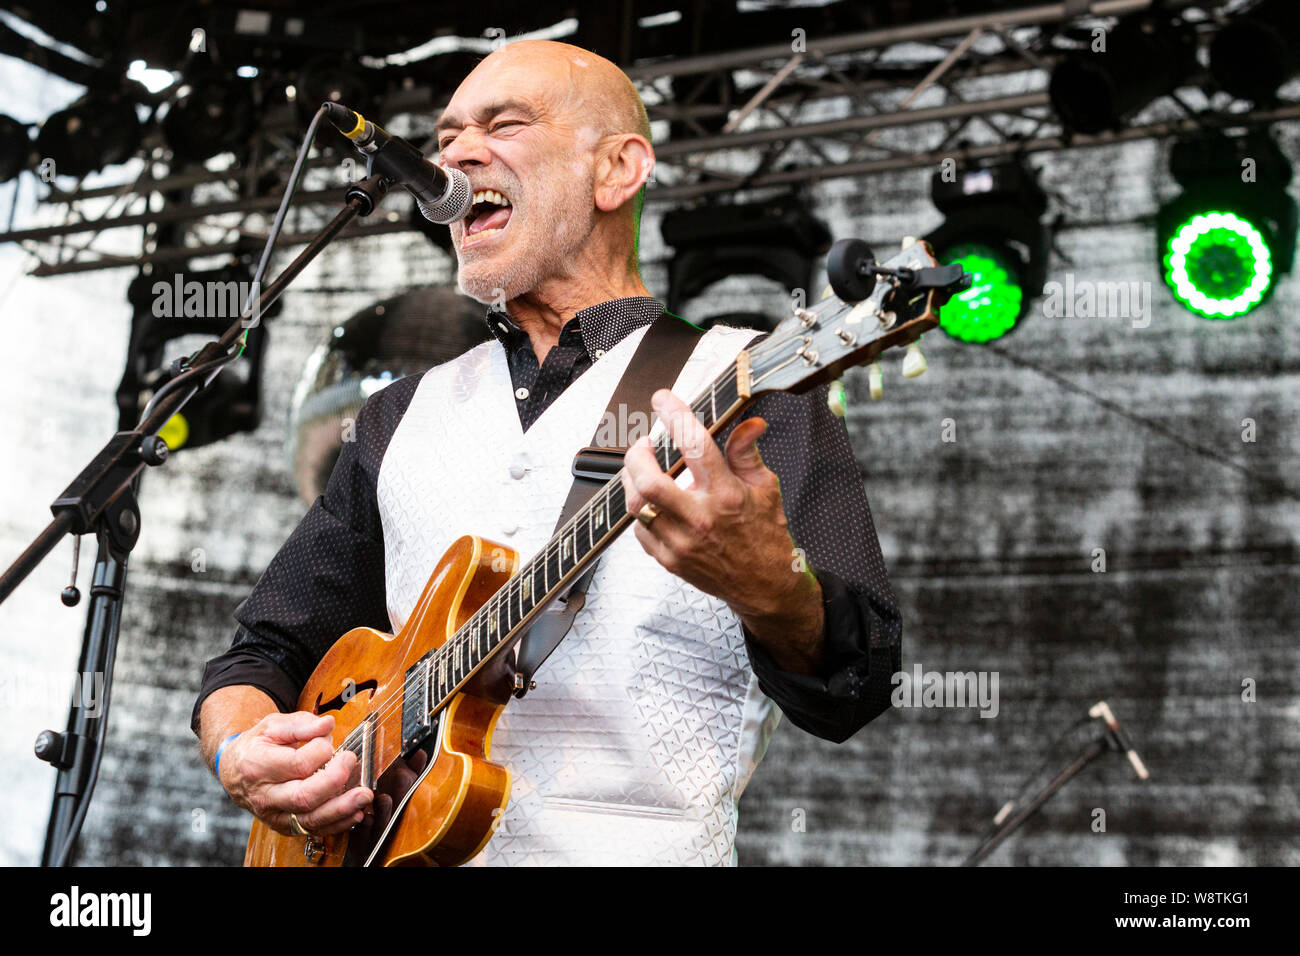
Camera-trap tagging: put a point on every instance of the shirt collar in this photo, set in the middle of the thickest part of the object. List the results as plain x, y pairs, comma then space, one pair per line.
601, 326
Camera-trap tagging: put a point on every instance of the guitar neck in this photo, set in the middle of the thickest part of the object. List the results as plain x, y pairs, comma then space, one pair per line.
814, 345
593, 527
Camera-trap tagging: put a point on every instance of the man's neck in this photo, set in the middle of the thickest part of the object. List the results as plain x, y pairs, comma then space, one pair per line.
544, 311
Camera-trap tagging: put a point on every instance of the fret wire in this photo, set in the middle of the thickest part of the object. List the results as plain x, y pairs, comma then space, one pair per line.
442, 667
610, 500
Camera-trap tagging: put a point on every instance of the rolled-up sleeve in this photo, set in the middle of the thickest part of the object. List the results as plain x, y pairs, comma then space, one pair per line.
830, 521
326, 579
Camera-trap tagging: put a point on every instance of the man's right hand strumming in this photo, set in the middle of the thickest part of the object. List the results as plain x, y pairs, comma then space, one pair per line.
283, 765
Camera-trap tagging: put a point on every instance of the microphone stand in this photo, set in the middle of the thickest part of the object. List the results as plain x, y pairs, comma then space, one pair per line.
1006, 825
103, 499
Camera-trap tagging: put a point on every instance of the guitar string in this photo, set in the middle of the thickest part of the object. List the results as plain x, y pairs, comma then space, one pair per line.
354, 741
555, 547
465, 635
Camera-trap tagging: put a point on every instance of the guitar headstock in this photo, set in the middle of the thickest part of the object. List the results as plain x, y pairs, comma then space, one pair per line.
871, 307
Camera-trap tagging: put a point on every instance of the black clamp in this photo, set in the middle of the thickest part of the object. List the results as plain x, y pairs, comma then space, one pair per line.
598, 464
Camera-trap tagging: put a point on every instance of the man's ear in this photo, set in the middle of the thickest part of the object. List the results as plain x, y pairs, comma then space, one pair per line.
625, 164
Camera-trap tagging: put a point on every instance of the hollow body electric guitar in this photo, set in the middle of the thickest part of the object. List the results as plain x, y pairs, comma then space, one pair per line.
417, 708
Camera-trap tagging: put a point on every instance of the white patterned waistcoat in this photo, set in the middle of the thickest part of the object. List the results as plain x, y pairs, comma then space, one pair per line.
647, 721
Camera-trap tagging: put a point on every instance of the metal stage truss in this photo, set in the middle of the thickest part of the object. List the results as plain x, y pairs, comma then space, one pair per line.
742, 122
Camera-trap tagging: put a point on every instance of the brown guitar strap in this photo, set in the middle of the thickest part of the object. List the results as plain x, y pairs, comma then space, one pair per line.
657, 362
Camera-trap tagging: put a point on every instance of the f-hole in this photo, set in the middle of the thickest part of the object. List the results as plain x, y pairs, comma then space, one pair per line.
345, 695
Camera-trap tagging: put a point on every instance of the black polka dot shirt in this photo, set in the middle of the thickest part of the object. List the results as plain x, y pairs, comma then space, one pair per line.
329, 576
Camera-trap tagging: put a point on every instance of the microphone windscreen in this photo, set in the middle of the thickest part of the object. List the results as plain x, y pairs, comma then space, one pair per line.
455, 202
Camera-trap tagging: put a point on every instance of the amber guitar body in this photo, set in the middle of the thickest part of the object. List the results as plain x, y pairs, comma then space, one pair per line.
447, 807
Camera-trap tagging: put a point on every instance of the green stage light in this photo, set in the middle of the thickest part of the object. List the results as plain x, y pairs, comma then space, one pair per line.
990, 307
1218, 264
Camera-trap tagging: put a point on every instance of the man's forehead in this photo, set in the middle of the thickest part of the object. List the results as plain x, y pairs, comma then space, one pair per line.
535, 84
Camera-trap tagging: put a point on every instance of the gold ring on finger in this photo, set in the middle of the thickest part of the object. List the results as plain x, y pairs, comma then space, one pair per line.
647, 514
298, 828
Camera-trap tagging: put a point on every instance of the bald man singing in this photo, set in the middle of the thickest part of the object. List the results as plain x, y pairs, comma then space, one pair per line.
753, 584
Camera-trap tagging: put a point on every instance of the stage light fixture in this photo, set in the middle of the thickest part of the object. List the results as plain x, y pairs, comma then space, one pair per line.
993, 227
779, 239
15, 148
1257, 51
214, 116
98, 130
1224, 241
1145, 56
326, 79
233, 401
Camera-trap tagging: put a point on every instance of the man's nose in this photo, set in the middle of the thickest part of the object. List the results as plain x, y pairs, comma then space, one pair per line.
469, 148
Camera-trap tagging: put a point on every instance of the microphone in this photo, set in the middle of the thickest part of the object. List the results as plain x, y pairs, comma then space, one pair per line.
1100, 709
443, 195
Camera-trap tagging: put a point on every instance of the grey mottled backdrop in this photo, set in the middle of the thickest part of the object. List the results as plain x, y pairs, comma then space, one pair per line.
989, 538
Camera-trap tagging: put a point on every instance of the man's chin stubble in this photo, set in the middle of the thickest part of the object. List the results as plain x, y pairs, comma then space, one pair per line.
485, 287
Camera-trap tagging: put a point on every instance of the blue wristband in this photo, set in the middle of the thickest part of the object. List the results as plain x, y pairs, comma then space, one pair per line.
217, 763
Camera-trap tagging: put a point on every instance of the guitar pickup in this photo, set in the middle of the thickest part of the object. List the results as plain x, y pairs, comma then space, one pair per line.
416, 723
598, 464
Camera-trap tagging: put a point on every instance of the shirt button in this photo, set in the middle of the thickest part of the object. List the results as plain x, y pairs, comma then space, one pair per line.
517, 471
599, 353
521, 393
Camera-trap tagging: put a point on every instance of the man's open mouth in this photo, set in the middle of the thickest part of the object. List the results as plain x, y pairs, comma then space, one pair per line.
487, 216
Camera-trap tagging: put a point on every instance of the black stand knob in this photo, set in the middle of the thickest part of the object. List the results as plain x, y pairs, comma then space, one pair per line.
71, 597
51, 747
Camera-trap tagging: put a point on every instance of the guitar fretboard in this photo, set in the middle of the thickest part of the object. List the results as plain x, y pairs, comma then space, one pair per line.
546, 575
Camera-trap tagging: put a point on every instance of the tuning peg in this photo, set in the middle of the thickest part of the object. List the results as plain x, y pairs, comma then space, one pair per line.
913, 361
875, 381
835, 399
